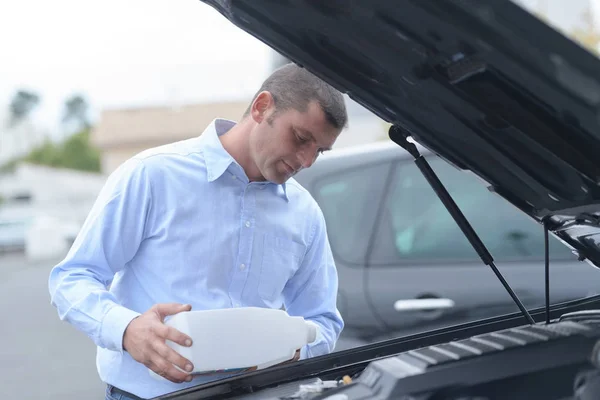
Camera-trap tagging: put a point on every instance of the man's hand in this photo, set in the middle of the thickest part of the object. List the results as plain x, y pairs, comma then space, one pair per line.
145, 337
296, 356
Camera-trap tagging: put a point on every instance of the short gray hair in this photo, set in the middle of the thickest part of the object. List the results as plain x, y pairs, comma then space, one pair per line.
293, 87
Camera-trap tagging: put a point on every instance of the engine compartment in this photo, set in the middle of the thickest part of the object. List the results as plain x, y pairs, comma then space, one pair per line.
555, 361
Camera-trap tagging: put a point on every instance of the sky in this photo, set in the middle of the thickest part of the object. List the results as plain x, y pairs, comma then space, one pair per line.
131, 53
125, 53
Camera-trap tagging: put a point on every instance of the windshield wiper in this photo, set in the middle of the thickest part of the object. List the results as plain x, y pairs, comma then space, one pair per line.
400, 136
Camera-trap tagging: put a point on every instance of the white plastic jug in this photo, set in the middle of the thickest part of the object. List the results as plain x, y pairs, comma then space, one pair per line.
238, 339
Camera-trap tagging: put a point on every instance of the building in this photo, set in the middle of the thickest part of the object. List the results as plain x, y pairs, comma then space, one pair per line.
38, 219
122, 133
31, 190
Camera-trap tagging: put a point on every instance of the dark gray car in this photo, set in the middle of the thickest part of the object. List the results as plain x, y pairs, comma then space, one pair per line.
404, 266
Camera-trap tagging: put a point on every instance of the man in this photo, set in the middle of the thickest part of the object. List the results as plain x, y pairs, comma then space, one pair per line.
206, 223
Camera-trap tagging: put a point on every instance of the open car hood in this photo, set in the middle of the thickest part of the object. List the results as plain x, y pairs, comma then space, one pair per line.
483, 84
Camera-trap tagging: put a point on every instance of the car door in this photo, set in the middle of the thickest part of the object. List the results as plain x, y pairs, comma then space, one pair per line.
348, 191
423, 273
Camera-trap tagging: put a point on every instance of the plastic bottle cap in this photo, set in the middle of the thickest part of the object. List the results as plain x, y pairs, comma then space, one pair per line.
312, 331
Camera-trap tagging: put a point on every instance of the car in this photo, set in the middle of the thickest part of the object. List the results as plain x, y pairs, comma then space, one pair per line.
12, 235
397, 248
493, 91
29, 234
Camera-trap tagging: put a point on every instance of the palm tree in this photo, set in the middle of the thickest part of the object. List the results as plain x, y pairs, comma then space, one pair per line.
76, 111
21, 106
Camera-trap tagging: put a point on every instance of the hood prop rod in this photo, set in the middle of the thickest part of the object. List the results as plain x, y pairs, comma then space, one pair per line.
545, 221
400, 136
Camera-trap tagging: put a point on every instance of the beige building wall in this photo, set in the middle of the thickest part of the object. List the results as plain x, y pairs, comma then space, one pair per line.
122, 133
111, 159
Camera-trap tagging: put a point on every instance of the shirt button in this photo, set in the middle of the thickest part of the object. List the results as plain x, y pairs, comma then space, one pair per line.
242, 267
233, 177
247, 224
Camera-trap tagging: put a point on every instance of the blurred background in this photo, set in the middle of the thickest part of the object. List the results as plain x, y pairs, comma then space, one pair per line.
84, 86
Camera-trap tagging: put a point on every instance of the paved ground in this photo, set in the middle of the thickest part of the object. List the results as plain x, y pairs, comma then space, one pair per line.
41, 356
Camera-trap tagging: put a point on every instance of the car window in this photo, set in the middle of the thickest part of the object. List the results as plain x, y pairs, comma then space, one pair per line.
349, 202
417, 227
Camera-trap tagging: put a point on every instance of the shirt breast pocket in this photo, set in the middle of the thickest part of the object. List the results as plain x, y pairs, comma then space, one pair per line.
281, 259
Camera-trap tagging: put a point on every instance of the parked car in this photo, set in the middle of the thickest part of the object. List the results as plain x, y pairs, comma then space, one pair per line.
36, 236
12, 234
405, 267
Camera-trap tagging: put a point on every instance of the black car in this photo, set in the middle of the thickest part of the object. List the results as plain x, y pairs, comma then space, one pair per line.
489, 89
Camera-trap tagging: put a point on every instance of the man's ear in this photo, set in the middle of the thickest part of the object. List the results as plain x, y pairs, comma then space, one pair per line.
261, 106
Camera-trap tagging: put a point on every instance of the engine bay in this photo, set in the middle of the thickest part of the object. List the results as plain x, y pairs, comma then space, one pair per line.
556, 361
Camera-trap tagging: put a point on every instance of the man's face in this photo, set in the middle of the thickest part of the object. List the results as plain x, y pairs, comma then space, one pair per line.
282, 145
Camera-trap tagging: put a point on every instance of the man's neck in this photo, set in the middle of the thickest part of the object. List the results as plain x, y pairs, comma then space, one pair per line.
236, 142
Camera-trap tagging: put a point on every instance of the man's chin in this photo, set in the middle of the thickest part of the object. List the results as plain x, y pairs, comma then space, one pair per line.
278, 178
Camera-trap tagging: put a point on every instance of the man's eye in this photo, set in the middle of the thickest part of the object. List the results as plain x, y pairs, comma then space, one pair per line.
301, 139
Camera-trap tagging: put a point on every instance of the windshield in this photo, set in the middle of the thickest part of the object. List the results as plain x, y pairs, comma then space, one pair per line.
82, 100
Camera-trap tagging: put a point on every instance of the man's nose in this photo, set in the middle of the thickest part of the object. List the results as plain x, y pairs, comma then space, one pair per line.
307, 158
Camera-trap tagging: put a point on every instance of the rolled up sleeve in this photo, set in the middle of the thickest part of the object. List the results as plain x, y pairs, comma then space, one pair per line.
312, 293
107, 241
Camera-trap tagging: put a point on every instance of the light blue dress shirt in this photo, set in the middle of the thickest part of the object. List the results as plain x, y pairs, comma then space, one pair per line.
182, 223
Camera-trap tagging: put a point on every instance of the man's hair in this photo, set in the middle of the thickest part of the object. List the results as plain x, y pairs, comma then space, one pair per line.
293, 87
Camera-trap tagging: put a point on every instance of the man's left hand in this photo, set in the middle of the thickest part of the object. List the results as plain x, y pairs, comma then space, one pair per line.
296, 355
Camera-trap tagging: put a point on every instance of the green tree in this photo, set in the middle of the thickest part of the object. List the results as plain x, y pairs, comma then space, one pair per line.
46, 154
74, 153
78, 153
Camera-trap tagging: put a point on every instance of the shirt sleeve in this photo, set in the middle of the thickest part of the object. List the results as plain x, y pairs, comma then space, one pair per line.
108, 239
312, 293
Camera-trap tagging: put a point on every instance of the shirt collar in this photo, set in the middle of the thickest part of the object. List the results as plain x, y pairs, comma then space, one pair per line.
218, 159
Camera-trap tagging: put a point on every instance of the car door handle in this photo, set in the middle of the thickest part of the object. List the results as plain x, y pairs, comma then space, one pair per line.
423, 304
